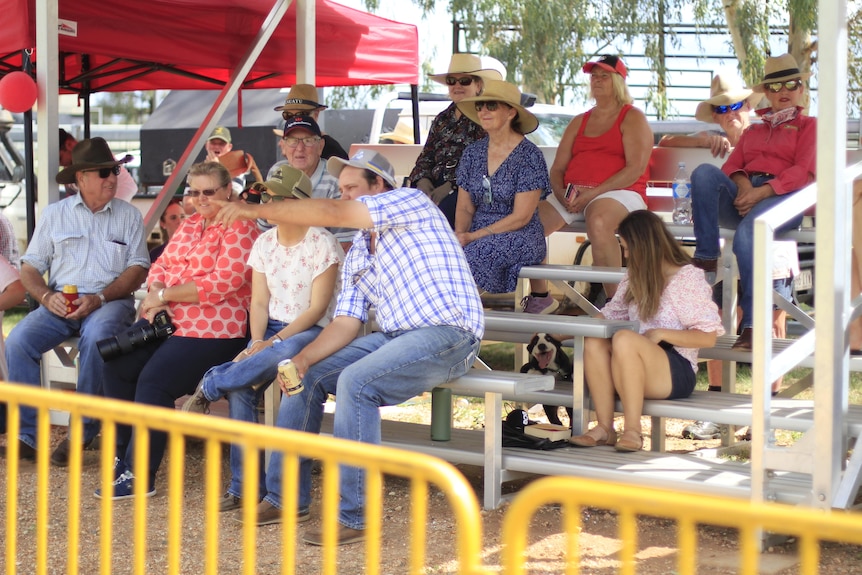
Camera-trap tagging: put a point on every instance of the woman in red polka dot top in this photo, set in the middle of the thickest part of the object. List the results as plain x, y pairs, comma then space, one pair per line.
203, 281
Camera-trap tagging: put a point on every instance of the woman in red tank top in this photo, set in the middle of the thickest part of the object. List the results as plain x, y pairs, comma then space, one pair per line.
604, 155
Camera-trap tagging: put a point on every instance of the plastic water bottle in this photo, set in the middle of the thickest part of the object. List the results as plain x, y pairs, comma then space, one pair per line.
681, 196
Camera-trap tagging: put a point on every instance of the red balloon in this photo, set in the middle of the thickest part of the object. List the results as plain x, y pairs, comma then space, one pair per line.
17, 92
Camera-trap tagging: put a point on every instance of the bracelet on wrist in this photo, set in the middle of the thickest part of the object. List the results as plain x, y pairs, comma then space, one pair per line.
255, 341
102, 299
277, 337
44, 295
161, 296
489, 230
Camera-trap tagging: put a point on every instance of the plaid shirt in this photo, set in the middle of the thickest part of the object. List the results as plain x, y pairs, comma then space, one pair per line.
417, 276
85, 249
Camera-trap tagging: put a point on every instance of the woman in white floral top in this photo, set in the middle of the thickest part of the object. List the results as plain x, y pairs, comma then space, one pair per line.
673, 303
294, 286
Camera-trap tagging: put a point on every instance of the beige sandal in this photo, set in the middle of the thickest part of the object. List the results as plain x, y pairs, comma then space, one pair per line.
630, 441
587, 440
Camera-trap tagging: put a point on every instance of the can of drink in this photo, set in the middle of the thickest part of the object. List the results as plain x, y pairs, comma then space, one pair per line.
70, 292
288, 378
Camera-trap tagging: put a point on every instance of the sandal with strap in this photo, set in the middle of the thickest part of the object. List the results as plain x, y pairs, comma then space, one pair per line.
630, 441
588, 440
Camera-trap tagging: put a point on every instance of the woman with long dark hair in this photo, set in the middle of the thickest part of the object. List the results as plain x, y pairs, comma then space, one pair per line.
673, 303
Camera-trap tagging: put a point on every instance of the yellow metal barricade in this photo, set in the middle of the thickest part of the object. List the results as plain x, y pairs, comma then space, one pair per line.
688, 510
59, 540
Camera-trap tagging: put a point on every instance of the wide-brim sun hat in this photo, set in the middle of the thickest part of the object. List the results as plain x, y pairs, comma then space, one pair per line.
289, 182
301, 97
467, 64
498, 91
91, 154
779, 69
610, 63
723, 92
364, 160
403, 133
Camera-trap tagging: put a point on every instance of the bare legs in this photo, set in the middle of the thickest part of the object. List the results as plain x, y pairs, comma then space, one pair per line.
628, 365
602, 218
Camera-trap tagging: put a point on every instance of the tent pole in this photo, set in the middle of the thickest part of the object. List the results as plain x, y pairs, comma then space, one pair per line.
267, 29
414, 105
30, 183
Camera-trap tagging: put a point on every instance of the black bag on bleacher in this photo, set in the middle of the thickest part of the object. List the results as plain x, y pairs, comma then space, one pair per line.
514, 436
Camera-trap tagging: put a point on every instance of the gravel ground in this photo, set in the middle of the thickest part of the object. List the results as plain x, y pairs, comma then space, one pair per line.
599, 542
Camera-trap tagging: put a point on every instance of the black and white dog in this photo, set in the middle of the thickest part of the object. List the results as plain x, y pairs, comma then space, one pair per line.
548, 358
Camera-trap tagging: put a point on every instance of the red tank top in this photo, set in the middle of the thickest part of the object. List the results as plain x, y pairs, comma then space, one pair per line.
595, 159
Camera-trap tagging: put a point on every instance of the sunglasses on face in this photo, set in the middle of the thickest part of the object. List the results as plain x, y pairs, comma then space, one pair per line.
726, 109
294, 142
490, 106
105, 172
487, 196
790, 85
464, 81
207, 193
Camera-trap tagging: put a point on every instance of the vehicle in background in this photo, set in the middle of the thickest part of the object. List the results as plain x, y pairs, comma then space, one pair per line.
12, 193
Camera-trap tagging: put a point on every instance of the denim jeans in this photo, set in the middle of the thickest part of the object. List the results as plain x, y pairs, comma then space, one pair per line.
372, 371
41, 330
712, 196
236, 379
158, 374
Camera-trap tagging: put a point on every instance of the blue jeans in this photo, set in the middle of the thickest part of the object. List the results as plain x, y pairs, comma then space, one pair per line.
712, 196
41, 331
236, 379
372, 371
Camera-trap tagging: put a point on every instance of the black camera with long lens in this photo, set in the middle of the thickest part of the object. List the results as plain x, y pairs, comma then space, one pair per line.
140, 334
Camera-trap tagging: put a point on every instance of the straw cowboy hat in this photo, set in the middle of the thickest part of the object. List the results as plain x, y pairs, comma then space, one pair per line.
723, 92
467, 64
289, 182
779, 69
497, 91
301, 97
402, 134
92, 154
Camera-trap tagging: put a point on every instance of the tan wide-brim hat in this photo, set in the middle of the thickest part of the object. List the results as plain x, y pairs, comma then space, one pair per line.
91, 154
467, 64
498, 91
779, 69
724, 92
301, 97
403, 133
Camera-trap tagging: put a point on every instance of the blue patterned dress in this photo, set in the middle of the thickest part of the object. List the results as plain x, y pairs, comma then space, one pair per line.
497, 259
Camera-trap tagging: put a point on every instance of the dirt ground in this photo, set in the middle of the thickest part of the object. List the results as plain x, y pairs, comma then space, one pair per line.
599, 540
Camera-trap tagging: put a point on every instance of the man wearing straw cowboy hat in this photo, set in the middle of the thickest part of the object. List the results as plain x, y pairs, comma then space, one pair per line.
302, 101
728, 106
96, 243
772, 159
452, 131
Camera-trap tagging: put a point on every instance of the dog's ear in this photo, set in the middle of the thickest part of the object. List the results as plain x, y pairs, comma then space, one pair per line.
533, 342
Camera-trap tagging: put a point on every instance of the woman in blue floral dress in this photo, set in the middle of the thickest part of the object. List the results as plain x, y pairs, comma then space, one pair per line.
501, 179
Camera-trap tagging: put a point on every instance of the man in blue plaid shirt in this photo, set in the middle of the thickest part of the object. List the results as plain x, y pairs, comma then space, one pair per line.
406, 263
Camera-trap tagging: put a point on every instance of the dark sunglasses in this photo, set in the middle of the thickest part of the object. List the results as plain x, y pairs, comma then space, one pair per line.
464, 81
490, 106
487, 196
791, 86
207, 193
726, 109
105, 172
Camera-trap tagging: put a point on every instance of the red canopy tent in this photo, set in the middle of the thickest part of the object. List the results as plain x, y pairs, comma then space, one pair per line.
126, 45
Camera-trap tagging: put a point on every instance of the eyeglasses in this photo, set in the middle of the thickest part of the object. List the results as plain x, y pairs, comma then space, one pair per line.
490, 106
105, 172
790, 85
289, 115
259, 193
207, 193
294, 142
725, 109
487, 196
463, 80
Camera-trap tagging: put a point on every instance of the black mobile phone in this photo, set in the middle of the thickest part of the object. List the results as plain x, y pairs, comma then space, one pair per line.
570, 189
